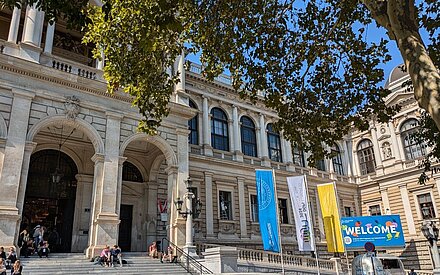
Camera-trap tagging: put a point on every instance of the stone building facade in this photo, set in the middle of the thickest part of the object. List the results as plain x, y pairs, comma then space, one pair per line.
71, 158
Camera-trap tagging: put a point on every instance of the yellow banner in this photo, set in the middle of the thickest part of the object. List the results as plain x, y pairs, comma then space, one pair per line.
330, 215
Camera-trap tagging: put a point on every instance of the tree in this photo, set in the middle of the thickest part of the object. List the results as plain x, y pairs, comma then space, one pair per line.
311, 59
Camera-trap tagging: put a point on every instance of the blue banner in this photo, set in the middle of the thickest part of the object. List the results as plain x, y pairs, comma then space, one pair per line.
382, 231
267, 210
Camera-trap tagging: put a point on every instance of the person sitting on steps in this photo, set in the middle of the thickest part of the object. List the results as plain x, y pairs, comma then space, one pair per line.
152, 250
43, 249
116, 255
105, 256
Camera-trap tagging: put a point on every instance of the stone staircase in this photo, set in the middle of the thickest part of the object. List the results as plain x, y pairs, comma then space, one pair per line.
76, 263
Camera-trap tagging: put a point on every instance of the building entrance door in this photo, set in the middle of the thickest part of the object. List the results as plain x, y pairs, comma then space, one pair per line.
126, 216
51, 203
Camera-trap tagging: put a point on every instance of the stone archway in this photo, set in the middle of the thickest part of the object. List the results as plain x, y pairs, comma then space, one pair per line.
153, 156
50, 204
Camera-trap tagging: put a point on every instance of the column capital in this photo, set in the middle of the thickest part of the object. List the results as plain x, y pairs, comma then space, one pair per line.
84, 178
23, 93
121, 160
114, 115
208, 174
402, 185
96, 158
172, 169
30, 146
183, 132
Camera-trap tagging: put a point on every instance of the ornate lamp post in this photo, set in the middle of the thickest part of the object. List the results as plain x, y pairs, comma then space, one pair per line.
189, 214
430, 231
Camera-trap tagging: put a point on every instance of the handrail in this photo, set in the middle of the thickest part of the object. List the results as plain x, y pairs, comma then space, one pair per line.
189, 263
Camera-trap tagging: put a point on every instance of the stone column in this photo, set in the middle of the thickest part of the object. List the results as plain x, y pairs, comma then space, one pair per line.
14, 26
207, 149
81, 217
180, 69
119, 190
209, 205
238, 155
172, 211
151, 218
263, 140
15, 166
106, 220
357, 210
50, 31
395, 144
283, 148
182, 177
377, 154
242, 207
347, 158
407, 208
32, 31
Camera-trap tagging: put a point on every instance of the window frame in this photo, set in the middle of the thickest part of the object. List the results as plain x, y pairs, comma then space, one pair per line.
193, 126
275, 153
231, 212
250, 129
376, 206
254, 213
280, 216
337, 161
411, 148
364, 163
416, 195
219, 141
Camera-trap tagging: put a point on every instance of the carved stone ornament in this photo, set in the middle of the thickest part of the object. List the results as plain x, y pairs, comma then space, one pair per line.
71, 107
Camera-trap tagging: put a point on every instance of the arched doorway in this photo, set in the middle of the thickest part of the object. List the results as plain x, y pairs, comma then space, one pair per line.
48, 203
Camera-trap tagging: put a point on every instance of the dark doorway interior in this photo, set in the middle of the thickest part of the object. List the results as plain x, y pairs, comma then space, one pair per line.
51, 204
126, 217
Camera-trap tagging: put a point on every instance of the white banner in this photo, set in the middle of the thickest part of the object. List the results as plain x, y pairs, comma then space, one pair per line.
301, 210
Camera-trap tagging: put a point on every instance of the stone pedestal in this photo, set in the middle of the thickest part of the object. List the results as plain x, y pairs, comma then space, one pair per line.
221, 259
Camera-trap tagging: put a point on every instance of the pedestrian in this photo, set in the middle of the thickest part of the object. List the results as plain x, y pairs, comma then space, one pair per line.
17, 268
2, 267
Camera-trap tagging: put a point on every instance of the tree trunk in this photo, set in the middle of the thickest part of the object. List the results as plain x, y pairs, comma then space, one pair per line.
399, 18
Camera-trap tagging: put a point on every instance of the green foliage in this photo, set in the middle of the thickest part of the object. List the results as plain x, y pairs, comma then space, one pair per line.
310, 59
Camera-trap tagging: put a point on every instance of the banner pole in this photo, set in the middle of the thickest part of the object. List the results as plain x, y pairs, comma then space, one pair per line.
278, 220
313, 225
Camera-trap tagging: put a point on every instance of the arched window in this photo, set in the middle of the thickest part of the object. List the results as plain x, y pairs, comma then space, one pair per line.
248, 137
274, 144
366, 158
337, 160
219, 130
131, 173
412, 148
193, 126
298, 156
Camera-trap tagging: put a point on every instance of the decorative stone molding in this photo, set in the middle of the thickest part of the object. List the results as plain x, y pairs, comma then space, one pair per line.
227, 227
71, 107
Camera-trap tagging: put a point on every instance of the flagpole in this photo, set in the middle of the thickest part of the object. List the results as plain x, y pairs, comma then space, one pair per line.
278, 220
313, 224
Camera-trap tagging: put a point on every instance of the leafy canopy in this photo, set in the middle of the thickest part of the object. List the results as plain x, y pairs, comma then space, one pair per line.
311, 59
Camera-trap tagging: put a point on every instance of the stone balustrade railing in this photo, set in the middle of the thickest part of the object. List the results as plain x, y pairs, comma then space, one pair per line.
223, 78
71, 67
264, 257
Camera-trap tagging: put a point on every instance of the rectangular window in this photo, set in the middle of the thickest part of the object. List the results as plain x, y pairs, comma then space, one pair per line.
426, 206
254, 208
347, 211
375, 210
282, 205
225, 199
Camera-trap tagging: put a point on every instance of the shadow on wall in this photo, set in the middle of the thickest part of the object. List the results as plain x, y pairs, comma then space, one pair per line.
410, 257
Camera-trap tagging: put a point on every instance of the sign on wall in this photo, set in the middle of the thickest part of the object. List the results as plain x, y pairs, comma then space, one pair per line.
382, 231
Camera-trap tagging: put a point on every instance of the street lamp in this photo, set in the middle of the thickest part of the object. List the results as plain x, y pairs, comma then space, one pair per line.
189, 214
430, 231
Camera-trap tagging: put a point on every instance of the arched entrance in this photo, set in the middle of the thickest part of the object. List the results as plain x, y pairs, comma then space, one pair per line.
48, 203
